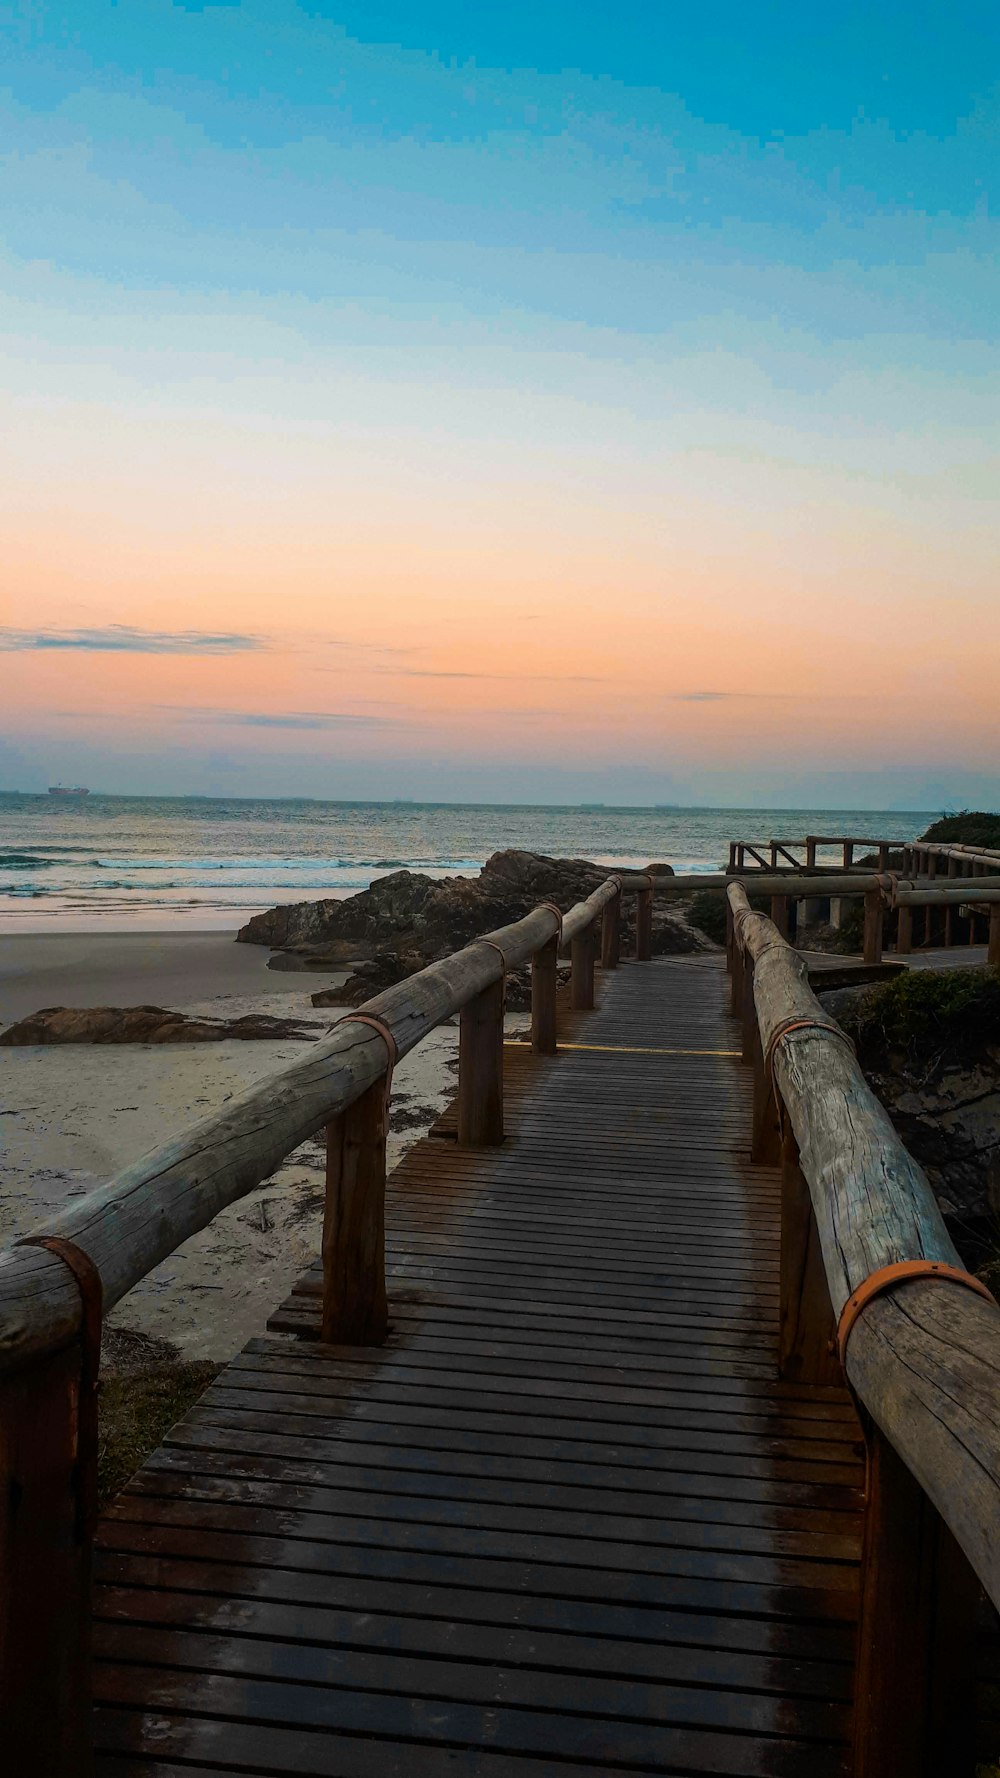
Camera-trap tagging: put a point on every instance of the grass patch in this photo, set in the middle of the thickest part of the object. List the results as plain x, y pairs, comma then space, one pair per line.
145, 1389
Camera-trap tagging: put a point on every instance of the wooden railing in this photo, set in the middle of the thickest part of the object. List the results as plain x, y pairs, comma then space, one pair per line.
740, 850
871, 1282
56, 1284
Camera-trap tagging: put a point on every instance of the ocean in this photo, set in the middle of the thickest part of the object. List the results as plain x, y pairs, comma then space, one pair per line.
205, 863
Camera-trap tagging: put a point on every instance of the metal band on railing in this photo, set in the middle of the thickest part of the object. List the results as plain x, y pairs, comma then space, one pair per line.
900, 1273
88, 1282
388, 1038
493, 946
558, 914
789, 1025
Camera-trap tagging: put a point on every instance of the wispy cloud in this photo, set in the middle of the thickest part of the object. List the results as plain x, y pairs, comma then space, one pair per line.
509, 678
287, 719
125, 639
719, 697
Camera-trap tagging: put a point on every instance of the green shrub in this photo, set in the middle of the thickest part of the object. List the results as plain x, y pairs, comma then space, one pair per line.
970, 827
707, 911
923, 1009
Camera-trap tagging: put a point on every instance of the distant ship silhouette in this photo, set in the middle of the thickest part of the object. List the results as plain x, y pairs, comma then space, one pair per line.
74, 790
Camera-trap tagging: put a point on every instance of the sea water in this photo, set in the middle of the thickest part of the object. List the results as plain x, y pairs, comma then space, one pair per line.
198, 862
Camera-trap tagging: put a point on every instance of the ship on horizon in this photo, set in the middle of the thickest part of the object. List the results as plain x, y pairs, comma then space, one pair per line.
72, 790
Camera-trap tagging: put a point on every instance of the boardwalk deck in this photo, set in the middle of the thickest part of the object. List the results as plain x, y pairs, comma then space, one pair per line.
565, 1521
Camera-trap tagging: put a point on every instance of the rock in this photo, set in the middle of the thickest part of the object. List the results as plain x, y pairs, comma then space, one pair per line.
142, 1024
419, 919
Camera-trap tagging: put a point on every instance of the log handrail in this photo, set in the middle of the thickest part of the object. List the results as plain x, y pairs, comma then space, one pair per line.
923, 1357
137, 1219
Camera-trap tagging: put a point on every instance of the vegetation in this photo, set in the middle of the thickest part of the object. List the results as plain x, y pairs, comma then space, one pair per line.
970, 827
926, 1011
707, 911
145, 1389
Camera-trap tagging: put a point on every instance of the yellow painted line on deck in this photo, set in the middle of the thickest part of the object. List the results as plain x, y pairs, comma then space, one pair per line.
628, 1049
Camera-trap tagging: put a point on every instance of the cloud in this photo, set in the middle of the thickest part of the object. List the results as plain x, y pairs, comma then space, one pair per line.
289, 719
125, 639
517, 678
718, 697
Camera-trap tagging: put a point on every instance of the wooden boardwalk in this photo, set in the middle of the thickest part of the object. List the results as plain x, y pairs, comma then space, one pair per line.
565, 1521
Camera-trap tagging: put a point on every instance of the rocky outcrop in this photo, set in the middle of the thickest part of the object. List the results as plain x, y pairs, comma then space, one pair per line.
415, 919
142, 1024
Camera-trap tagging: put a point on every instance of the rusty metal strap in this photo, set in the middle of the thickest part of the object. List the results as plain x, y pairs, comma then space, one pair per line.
500, 953
886, 1277
558, 914
388, 1038
790, 1025
88, 1282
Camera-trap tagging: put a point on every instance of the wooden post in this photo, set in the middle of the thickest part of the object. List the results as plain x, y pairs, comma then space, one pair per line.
581, 989
779, 913
993, 954
848, 854
810, 853
736, 980
611, 930
355, 1312
915, 1707
873, 927
732, 855
730, 938
543, 999
883, 856
748, 1012
904, 930
949, 912
480, 1069
48, 1480
644, 925
765, 1142
806, 1330
741, 854
774, 854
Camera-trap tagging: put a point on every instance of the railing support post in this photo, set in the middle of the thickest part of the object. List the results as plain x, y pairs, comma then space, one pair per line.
873, 927
806, 1324
644, 925
736, 979
480, 1069
993, 953
611, 932
914, 1706
581, 951
355, 1312
779, 913
904, 931
543, 998
47, 1480
748, 1013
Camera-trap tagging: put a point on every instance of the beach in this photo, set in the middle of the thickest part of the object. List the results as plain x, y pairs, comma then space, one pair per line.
72, 1116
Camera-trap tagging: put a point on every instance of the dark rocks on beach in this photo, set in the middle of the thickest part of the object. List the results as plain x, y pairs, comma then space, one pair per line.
142, 1024
407, 919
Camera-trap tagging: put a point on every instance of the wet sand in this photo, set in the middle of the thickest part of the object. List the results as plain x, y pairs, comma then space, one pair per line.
136, 968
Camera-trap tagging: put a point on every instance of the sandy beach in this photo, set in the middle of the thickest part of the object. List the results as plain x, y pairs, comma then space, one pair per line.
71, 1116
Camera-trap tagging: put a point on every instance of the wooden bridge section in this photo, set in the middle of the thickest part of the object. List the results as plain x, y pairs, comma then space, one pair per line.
566, 1520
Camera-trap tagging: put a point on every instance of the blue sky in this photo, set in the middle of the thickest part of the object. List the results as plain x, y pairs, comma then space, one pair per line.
707, 297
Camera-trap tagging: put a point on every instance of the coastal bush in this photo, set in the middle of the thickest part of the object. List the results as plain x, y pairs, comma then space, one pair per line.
925, 1010
970, 827
707, 911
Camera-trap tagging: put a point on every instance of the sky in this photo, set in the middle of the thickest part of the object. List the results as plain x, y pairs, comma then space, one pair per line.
563, 402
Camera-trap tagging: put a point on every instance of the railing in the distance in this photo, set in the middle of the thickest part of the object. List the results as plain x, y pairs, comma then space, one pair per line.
53, 1295
870, 1277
